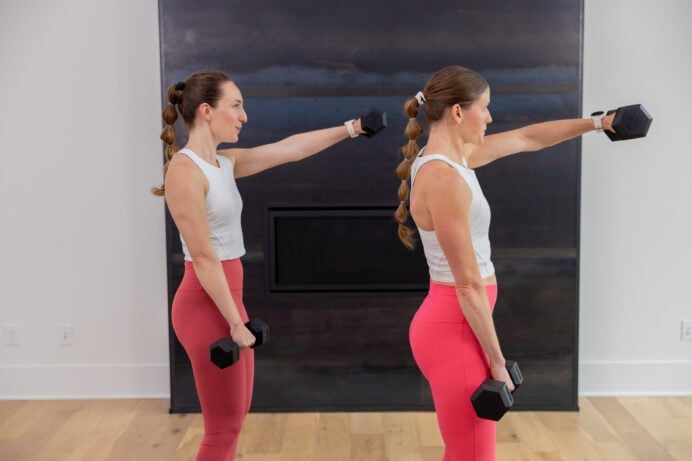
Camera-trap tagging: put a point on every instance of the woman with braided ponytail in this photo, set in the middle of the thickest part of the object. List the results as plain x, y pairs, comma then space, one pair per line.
205, 204
452, 335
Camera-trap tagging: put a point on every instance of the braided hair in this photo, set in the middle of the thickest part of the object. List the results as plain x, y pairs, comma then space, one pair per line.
448, 86
205, 86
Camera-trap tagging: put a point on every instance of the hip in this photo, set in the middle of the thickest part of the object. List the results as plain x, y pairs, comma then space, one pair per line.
441, 305
232, 269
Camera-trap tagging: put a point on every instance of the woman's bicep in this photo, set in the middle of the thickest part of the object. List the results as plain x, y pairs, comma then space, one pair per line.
496, 146
449, 210
457, 246
185, 199
247, 162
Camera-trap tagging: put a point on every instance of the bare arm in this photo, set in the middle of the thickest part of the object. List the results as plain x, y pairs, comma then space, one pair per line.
531, 138
185, 194
447, 198
250, 161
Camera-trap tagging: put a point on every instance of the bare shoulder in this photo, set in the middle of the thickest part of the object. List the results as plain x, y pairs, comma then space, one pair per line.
181, 165
438, 176
184, 174
230, 154
479, 155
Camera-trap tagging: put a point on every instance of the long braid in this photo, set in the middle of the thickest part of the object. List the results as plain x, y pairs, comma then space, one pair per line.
448, 86
410, 150
168, 135
203, 86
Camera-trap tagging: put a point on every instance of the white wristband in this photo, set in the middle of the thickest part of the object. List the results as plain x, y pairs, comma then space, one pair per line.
349, 126
597, 118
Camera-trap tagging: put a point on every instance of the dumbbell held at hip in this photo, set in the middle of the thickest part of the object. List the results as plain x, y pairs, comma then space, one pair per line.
372, 121
629, 122
225, 352
492, 399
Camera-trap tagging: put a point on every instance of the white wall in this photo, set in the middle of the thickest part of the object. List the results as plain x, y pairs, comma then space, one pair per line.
82, 241
636, 245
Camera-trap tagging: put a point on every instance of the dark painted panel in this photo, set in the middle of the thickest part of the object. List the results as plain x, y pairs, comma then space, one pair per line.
305, 65
339, 248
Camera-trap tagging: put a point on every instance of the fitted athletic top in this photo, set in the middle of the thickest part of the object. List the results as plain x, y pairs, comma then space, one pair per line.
479, 222
224, 206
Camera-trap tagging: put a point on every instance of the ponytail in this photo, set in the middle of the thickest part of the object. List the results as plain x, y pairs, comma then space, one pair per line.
410, 150
446, 87
170, 115
203, 86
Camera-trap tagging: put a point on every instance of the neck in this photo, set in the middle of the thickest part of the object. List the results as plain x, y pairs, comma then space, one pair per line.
446, 142
202, 144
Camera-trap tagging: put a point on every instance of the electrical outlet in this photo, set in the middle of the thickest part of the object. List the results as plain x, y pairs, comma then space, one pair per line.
687, 330
66, 334
11, 334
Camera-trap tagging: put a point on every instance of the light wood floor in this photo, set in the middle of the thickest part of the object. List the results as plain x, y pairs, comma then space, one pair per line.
628, 428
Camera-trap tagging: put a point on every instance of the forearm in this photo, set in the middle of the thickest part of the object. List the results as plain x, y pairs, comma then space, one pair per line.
303, 145
212, 278
546, 134
247, 162
474, 304
531, 138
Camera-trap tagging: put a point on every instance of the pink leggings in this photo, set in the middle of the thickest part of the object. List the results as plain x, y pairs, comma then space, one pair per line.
452, 360
224, 395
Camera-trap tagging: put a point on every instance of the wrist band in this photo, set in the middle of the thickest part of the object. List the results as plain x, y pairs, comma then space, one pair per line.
597, 118
349, 126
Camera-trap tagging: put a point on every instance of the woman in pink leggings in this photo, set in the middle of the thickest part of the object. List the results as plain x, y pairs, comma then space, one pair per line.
205, 204
452, 335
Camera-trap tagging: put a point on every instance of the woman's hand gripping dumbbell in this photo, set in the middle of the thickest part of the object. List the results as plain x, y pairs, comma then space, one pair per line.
492, 399
225, 352
626, 122
372, 121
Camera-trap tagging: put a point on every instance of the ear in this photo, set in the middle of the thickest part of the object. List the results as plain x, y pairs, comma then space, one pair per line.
204, 111
457, 113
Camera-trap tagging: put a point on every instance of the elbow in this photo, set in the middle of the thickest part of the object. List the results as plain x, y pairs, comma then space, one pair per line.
471, 293
293, 150
466, 289
203, 259
530, 141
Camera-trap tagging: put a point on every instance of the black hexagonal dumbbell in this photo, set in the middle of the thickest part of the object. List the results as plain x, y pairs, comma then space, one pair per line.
630, 122
373, 121
492, 399
225, 352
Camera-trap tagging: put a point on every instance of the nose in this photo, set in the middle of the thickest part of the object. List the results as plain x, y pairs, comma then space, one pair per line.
243, 116
489, 119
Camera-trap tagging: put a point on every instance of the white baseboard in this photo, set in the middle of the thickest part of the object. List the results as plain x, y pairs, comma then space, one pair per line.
637, 377
37, 382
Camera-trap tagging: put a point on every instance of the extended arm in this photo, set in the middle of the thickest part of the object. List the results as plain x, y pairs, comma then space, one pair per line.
250, 161
531, 138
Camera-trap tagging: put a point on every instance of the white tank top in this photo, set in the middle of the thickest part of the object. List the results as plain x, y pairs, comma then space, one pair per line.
479, 222
224, 206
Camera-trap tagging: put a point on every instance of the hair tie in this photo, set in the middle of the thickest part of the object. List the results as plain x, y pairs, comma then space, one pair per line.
180, 86
420, 97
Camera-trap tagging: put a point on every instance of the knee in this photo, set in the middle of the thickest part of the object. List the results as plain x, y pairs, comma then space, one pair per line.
224, 439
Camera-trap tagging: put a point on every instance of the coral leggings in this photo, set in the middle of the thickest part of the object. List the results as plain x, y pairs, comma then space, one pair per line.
452, 360
224, 395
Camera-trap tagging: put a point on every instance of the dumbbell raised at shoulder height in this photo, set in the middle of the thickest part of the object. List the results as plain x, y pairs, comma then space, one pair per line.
629, 122
372, 121
225, 352
492, 399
